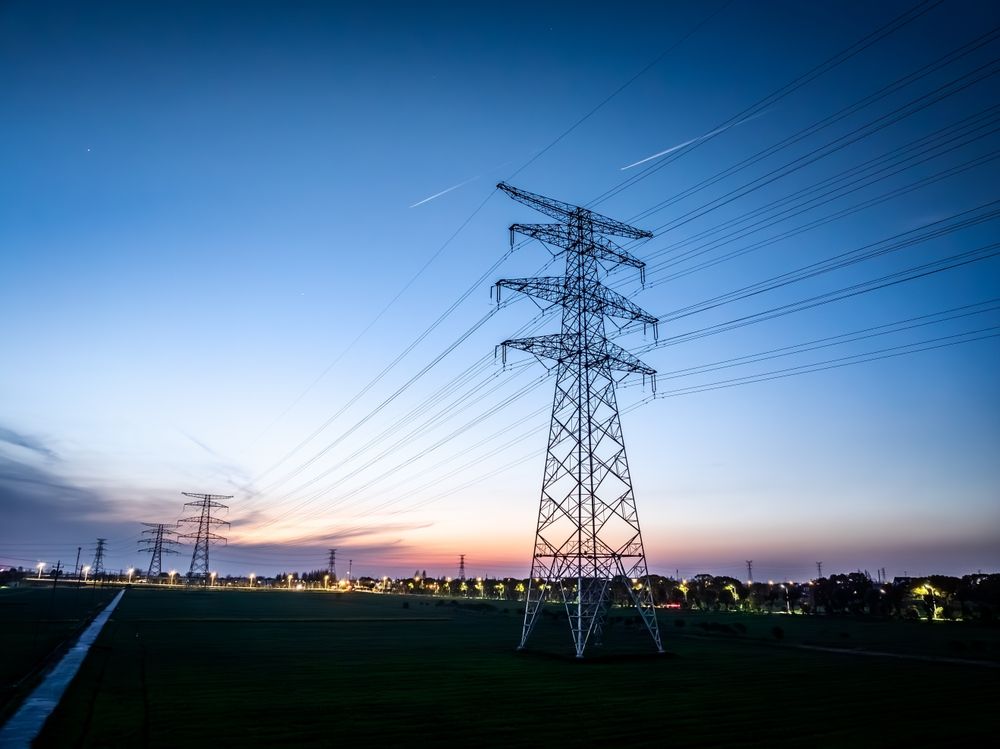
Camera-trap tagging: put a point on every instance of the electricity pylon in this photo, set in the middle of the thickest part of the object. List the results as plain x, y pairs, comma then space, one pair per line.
97, 568
331, 566
588, 534
156, 540
203, 536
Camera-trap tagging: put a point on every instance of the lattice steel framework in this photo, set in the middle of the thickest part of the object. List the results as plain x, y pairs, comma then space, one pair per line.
203, 536
157, 540
588, 536
97, 568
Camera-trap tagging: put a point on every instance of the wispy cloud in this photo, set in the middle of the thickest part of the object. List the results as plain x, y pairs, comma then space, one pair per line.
37, 504
202, 445
445, 192
693, 140
28, 443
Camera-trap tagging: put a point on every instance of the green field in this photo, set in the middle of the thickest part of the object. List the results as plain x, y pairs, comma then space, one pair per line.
270, 668
37, 622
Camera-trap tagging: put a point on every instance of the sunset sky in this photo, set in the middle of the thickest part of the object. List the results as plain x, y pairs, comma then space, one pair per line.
247, 249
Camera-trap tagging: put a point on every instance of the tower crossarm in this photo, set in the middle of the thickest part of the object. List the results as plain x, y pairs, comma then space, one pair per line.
200, 519
207, 497
553, 289
205, 535
562, 235
565, 211
561, 347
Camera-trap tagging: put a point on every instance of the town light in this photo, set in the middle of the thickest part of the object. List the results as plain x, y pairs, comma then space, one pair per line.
130, 571
41, 566
172, 573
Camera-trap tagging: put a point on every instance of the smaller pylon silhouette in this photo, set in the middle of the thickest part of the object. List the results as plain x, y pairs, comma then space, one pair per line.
97, 568
461, 567
332, 565
156, 540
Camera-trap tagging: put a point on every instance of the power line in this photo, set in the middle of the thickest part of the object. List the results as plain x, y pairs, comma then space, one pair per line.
775, 96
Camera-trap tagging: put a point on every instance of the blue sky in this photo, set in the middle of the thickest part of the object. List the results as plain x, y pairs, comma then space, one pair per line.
206, 203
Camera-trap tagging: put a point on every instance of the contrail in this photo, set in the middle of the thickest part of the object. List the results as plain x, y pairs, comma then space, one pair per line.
444, 192
693, 140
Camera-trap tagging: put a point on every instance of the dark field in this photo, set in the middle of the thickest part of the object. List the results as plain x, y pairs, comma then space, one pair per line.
245, 668
35, 623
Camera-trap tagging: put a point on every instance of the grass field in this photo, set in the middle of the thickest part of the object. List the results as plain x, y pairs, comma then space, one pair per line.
37, 622
261, 668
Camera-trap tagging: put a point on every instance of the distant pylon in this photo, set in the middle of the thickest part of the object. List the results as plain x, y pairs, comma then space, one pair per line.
749, 570
332, 565
157, 540
819, 569
97, 568
588, 534
461, 567
203, 536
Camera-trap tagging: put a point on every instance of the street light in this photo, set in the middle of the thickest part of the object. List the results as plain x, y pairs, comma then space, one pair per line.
41, 566
86, 571
289, 582
212, 581
326, 581
252, 576
172, 573
130, 571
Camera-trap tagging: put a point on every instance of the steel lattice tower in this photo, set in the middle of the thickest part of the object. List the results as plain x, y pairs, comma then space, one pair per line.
332, 565
588, 532
157, 540
97, 568
204, 535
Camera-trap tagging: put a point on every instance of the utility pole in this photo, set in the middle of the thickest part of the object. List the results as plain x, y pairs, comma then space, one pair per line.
350, 568
332, 565
160, 539
749, 571
203, 535
588, 534
76, 567
461, 567
819, 570
97, 568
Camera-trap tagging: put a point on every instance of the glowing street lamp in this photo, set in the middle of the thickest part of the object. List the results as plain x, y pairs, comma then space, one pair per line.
326, 581
252, 576
212, 581
130, 571
41, 566
172, 573
86, 572
289, 582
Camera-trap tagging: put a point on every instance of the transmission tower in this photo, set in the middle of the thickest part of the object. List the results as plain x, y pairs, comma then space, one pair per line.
204, 535
97, 568
588, 532
461, 567
157, 540
332, 565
